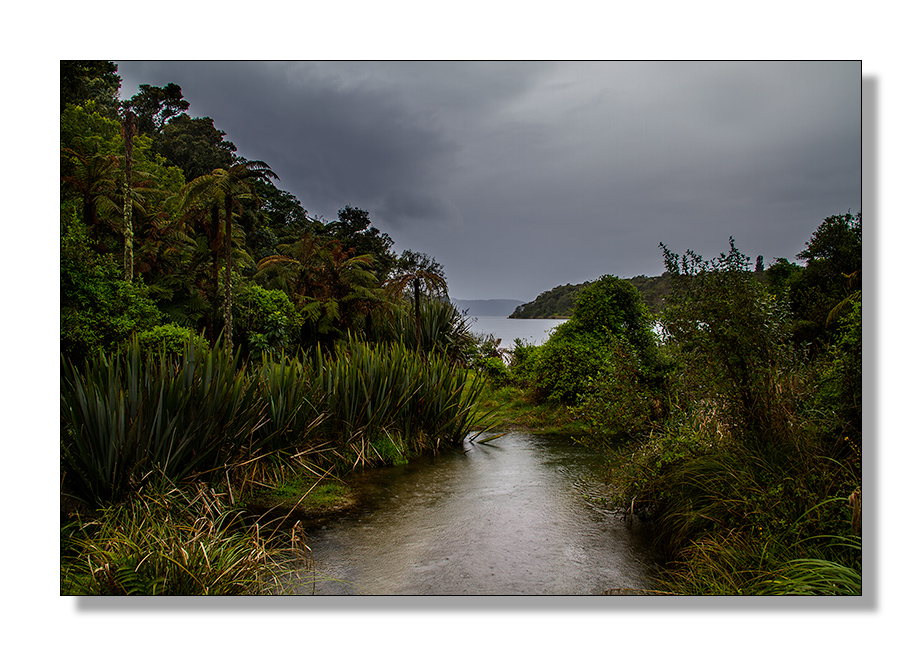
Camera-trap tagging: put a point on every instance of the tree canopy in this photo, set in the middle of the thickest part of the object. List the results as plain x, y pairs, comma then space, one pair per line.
164, 224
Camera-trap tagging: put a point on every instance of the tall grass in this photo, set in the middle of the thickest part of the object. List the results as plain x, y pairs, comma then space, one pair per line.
391, 395
125, 416
128, 416
174, 542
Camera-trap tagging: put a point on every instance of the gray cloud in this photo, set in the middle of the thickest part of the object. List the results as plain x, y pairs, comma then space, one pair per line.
521, 176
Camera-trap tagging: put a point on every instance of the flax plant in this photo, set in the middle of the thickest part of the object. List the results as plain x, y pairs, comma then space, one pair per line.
293, 398
389, 393
126, 416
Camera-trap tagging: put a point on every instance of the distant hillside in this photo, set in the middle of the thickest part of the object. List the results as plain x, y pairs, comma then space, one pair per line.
494, 307
558, 302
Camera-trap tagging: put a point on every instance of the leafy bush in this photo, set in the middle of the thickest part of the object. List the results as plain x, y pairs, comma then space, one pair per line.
564, 366
609, 322
730, 338
621, 399
266, 320
99, 310
171, 338
495, 370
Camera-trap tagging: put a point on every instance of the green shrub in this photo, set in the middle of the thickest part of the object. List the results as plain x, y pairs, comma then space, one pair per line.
495, 370
730, 339
266, 320
99, 310
622, 399
609, 321
170, 338
564, 366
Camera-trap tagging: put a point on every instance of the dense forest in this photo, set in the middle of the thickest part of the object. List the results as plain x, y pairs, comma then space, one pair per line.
219, 344
166, 230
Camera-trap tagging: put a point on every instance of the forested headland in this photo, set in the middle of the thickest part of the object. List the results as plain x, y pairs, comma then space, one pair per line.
223, 352
558, 302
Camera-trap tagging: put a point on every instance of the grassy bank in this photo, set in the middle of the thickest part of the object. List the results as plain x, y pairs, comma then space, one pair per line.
507, 407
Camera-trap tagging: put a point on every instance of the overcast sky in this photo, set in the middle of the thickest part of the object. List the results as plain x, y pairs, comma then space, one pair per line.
519, 177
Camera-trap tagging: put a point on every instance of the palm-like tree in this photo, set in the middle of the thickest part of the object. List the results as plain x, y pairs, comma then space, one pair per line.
226, 189
333, 287
92, 177
418, 271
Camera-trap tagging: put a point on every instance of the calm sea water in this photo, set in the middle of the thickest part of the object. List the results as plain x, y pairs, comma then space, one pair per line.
532, 331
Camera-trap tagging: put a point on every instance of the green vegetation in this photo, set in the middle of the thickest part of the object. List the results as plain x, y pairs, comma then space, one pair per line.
214, 337
558, 303
222, 350
738, 431
172, 541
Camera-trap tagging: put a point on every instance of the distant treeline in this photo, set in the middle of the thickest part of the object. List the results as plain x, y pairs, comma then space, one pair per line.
558, 302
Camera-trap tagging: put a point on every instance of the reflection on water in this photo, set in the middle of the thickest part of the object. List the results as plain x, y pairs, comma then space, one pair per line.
512, 516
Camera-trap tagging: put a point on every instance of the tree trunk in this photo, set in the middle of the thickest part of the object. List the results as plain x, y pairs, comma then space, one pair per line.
228, 319
215, 242
419, 322
128, 137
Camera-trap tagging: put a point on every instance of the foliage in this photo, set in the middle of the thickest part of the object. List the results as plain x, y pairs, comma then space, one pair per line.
729, 335
832, 273
293, 398
90, 81
355, 232
495, 370
98, 308
553, 304
440, 329
169, 541
170, 338
334, 290
559, 301
754, 476
610, 327
564, 367
268, 320
154, 106
389, 391
622, 398
126, 416
195, 145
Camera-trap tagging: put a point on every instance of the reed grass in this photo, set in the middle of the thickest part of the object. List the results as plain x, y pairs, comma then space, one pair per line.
171, 541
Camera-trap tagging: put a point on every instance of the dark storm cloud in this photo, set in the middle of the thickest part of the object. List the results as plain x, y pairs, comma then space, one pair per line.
522, 176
